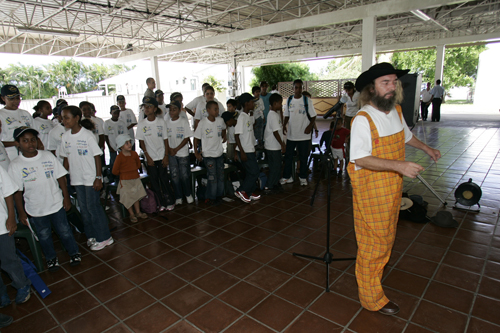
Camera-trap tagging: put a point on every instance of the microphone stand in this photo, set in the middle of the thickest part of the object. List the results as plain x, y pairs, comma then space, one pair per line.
327, 162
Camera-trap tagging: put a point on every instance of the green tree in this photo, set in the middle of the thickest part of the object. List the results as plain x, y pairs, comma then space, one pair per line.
282, 73
460, 64
218, 85
344, 68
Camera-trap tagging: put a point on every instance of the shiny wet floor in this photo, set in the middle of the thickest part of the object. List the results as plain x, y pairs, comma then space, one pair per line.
231, 269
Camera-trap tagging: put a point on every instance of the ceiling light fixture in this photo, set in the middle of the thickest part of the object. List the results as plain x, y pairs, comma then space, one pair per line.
62, 33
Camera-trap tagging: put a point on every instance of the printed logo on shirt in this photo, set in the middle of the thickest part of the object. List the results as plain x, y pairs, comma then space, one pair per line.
48, 174
160, 131
219, 131
83, 152
248, 124
44, 128
28, 174
208, 131
26, 120
146, 129
10, 120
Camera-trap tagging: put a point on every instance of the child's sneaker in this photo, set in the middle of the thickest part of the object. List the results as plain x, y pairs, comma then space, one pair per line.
5, 320
101, 245
4, 300
170, 207
90, 242
303, 181
53, 265
189, 199
243, 196
284, 181
254, 196
178, 201
23, 294
75, 260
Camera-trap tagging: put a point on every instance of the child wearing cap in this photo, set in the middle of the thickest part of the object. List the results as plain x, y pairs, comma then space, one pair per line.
11, 263
273, 142
230, 121
12, 117
162, 107
179, 132
46, 199
42, 123
245, 145
112, 128
153, 140
201, 108
177, 97
128, 116
130, 189
212, 133
81, 155
258, 115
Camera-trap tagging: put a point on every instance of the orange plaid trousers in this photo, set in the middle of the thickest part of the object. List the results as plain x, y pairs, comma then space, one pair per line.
376, 204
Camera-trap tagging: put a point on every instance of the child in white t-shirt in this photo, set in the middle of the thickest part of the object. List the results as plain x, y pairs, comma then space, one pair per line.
82, 159
112, 128
46, 199
212, 133
98, 130
201, 108
258, 115
42, 124
128, 116
274, 143
153, 140
8, 257
179, 132
245, 145
4, 157
231, 142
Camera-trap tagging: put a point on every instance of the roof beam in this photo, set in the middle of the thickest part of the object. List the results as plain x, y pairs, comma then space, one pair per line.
384, 8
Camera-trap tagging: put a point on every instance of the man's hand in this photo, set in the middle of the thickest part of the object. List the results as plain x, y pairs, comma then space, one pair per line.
164, 162
283, 148
12, 225
173, 151
150, 161
434, 154
243, 156
23, 217
308, 129
410, 169
198, 156
97, 184
67, 204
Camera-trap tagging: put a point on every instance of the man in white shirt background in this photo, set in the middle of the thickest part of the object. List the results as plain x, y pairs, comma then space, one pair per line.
425, 101
437, 98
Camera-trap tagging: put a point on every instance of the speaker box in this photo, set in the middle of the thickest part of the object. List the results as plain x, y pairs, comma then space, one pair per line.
412, 85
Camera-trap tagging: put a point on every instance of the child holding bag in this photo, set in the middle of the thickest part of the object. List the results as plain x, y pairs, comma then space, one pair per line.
130, 189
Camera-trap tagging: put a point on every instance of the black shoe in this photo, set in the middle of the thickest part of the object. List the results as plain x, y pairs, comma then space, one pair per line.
53, 265
5, 320
334, 173
339, 174
389, 309
75, 260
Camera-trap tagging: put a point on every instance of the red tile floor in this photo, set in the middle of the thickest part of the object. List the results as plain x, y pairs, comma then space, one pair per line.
231, 269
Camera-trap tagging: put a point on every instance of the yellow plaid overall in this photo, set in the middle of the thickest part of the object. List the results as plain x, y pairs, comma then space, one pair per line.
376, 203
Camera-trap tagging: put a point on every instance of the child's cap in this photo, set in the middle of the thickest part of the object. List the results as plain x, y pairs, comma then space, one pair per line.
122, 139
176, 103
228, 116
120, 98
57, 110
114, 108
10, 91
150, 100
158, 92
23, 129
246, 97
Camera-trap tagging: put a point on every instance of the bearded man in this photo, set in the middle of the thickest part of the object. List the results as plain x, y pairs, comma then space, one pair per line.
378, 137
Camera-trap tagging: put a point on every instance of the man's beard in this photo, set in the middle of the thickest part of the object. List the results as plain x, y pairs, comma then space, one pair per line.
382, 103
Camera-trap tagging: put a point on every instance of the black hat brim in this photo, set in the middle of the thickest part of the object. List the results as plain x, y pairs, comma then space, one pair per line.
370, 75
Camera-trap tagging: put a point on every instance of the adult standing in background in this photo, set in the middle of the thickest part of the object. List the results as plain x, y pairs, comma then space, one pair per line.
437, 98
425, 101
151, 83
264, 95
350, 99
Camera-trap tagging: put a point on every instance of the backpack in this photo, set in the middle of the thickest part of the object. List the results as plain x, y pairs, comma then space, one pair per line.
149, 204
306, 105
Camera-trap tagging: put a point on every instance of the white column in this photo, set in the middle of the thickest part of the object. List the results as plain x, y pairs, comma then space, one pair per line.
369, 42
438, 74
155, 71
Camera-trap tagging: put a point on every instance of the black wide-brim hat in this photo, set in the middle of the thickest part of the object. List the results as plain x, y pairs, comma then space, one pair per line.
376, 71
444, 219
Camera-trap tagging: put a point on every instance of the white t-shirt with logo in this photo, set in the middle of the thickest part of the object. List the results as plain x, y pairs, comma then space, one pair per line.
98, 127
273, 124
114, 128
43, 126
154, 134
177, 131
4, 157
128, 116
182, 115
201, 109
80, 149
210, 134
194, 103
244, 127
12, 119
7, 188
298, 118
55, 137
37, 176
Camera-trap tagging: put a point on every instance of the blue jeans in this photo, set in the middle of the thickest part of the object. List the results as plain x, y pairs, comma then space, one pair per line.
94, 218
10, 263
251, 173
274, 159
259, 129
180, 171
63, 230
215, 174
303, 148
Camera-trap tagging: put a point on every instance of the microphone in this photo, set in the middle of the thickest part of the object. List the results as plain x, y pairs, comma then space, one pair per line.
333, 109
